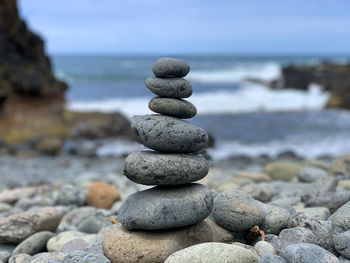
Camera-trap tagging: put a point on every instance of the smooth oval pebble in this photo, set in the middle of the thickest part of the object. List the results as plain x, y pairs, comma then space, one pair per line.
211, 252
166, 207
123, 246
170, 67
173, 107
153, 168
169, 134
169, 87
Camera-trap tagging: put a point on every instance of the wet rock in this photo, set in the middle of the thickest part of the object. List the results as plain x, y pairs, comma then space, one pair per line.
123, 246
170, 67
153, 168
166, 207
213, 252
17, 227
304, 252
102, 195
237, 211
34, 244
169, 134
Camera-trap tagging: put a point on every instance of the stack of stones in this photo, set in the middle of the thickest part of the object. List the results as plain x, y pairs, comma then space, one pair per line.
175, 161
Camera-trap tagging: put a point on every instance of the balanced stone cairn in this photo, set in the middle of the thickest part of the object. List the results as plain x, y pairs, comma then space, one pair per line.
173, 165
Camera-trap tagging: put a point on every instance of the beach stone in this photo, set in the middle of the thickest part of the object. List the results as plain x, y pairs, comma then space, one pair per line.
340, 166
48, 257
56, 243
257, 192
123, 246
35, 201
34, 244
102, 195
264, 248
321, 213
342, 244
173, 107
169, 134
95, 248
166, 207
176, 88
153, 168
13, 195
83, 257
73, 245
276, 219
4, 207
307, 253
20, 258
170, 67
344, 184
15, 228
271, 258
227, 186
74, 218
213, 252
220, 234
237, 211
341, 218
256, 177
295, 235
281, 170
94, 223
70, 195
331, 200
310, 174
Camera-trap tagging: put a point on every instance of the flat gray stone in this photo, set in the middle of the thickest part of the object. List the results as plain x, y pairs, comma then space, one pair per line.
342, 244
84, 257
293, 236
272, 259
170, 67
308, 253
340, 219
177, 88
153, 168
276, 219
211, 252
34, 244
169, 134
311, 174
166, 207
237, 211
173, 107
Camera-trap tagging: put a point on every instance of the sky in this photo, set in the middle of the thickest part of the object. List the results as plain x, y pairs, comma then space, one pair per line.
191, 26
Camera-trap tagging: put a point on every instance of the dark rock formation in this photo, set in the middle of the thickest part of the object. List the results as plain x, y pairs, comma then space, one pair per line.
334, 78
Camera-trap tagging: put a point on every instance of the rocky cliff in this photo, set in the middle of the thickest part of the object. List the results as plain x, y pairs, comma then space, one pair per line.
334, 78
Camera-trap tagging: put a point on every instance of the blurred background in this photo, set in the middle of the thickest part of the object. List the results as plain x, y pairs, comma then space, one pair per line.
270, 78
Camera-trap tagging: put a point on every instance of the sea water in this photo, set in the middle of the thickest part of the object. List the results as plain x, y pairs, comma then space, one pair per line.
244, 117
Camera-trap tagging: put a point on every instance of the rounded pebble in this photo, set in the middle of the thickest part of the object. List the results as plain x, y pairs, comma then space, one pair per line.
166, 207
170, 67
173, 107
34, 244
153, 168
102, 195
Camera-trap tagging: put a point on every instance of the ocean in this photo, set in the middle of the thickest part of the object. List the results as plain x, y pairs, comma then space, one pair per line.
244, 118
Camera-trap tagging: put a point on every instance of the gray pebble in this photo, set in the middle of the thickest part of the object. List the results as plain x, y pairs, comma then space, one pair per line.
166, 207
169, 134
308, 253
264, 248
20, 258
70, 195
311, 174
342, 244
340, 219
237, 211
272, 259
153, 168
173, 107
276, 219
170, 67
34, 244
169, 87
74, 218
331, 200
295, 235
48, 257
73, 245
83, 257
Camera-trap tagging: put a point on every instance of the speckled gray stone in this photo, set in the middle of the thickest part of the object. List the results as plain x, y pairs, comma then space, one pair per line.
173, 107
34, 244
342, 244
169, 87
153, 168
271, 259
166, 207
340, 219
84, 257
293, 236
169, 134
237, 211
308, 253
276, 219
311, 174
170, 67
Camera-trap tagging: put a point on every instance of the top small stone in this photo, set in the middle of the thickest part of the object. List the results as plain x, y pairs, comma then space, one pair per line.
170, 67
